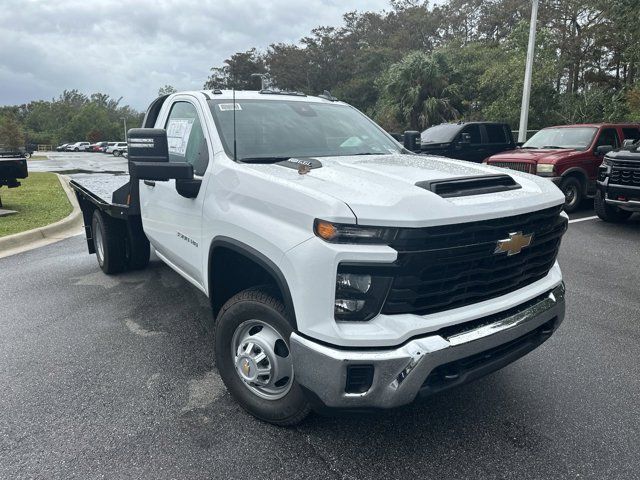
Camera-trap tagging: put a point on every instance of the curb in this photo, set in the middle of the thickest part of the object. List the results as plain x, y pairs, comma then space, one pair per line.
67, 227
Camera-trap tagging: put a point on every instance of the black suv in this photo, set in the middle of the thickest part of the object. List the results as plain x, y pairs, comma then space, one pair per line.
472, 141
618, 194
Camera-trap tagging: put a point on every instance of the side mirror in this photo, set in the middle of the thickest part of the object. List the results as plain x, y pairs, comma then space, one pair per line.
411, 140
603, 149
149, 156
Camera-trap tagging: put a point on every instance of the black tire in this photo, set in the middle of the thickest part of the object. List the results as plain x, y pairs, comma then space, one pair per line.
256, 303
27, 155
76, 149
573, 192
109, 240
609, 213
116, 153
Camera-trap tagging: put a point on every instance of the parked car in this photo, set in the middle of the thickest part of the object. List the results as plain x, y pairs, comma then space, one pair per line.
472, 141
104, 148
117, 149
618, 195
342, 269
569, 155
95, 147
77, 147
63, 147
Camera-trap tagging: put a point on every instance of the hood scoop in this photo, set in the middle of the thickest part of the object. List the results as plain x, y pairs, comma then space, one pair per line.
464, 186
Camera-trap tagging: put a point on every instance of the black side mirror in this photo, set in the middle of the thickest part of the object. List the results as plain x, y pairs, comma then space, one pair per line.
411, 140
603, 149
149, 156
465, 138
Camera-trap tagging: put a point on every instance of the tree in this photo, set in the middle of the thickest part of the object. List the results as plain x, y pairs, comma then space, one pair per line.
11, 133
166, 90
415, 92
237, 72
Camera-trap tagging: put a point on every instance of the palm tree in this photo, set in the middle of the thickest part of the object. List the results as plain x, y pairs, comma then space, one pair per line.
416, 92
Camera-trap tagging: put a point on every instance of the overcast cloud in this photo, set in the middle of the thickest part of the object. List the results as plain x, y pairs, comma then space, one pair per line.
132, 48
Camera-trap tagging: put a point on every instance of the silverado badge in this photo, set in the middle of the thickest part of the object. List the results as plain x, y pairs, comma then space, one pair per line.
514, 244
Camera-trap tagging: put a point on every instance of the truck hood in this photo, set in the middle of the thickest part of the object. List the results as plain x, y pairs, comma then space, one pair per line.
536, 155
381, 190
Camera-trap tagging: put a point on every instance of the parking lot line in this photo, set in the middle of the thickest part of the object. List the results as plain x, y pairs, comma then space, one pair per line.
575, 220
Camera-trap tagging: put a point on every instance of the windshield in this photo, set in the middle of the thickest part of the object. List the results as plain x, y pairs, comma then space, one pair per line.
439, 134
578, 138
280, 129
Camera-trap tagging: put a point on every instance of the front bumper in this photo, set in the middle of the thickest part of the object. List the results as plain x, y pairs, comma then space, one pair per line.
428, 364
613, 192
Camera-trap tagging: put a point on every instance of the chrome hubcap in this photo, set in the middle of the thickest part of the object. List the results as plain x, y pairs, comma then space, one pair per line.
570, 194
262, 359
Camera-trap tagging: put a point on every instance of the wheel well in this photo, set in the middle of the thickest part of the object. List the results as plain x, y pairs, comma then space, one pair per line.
578, 174
232, 270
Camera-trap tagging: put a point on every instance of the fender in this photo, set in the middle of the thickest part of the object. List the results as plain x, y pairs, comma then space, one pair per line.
579, 170
264, 262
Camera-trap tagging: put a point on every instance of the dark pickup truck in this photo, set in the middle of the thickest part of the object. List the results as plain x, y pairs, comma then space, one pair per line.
471, 141
618, 184
13, 166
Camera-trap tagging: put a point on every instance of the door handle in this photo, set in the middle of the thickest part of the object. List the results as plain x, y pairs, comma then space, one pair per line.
149, 183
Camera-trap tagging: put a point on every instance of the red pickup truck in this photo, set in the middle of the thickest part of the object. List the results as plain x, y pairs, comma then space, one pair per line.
568, 155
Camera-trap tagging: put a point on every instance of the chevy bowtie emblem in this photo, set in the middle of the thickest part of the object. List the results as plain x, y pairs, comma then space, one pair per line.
514, 244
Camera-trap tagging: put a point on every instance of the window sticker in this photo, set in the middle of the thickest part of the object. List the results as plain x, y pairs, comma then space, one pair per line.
178, 131
228, 107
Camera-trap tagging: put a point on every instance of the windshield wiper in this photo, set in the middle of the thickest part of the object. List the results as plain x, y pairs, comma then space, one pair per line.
263, 159
368, 153
552, 147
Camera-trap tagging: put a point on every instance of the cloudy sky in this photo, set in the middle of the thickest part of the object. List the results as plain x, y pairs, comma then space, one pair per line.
132, 48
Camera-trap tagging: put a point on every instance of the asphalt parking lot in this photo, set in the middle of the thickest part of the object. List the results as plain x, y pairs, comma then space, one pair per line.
113, 377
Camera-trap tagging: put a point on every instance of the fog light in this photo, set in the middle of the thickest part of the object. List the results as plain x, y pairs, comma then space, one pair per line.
353, 281
348, 306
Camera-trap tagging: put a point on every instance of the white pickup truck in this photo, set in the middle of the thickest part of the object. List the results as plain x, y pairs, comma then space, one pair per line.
343, 270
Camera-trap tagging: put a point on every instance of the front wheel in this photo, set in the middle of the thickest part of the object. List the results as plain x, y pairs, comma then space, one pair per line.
116, 153
609, 213
573, 193
254, 360
76, 149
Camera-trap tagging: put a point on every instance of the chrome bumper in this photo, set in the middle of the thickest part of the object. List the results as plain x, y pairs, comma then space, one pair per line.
401, 373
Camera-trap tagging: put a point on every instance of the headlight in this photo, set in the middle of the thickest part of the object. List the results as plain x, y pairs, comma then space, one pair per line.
345, 233
359, 296
545, 168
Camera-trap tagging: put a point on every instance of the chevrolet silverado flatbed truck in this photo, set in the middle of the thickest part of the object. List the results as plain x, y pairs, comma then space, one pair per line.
343, 270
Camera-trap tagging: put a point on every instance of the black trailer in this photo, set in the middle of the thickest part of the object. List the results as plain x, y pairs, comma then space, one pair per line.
113, 227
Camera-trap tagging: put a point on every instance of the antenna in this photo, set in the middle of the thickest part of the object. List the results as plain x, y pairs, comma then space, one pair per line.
235, 155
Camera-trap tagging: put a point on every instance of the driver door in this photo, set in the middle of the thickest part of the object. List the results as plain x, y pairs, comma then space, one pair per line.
172, 221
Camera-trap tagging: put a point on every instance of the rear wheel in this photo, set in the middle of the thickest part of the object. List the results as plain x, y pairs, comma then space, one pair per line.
109, 240
573, 193
116, 153
253, 357
609, 213
76, 149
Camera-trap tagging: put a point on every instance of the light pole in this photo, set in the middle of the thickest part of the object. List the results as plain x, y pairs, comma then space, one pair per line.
263, 79
124, 120
526, 90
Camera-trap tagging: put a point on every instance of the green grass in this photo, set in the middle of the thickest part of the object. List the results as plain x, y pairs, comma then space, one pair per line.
38, 157
39, 201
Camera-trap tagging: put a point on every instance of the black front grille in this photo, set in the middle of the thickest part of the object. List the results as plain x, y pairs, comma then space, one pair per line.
445, 267
624, 174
